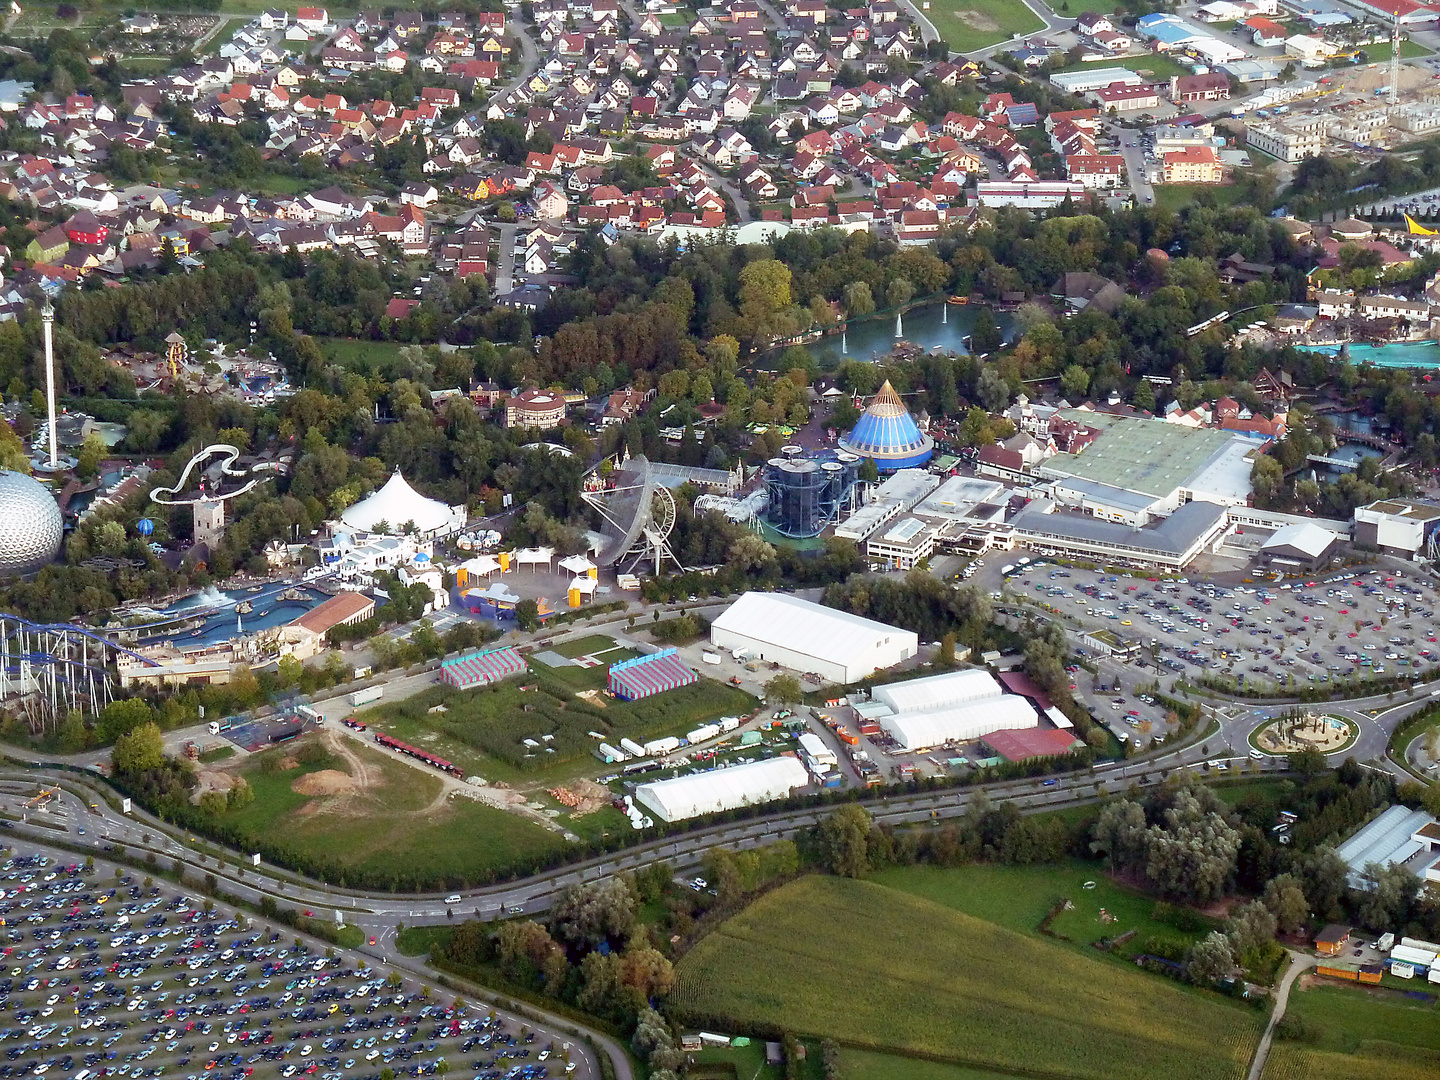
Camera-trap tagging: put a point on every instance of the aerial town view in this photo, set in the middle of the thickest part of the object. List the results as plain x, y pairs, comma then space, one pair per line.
753, 540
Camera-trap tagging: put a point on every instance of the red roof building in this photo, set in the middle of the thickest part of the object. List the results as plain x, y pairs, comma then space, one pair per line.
1030, 743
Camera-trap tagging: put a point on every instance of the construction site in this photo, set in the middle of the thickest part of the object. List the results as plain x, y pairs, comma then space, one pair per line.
1371, 107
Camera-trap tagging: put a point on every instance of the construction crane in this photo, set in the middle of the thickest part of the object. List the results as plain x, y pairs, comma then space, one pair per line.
1395, 63
43, 798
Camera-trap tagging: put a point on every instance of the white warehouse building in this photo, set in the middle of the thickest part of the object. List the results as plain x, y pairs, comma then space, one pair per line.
958, 706
717, 790
803, 636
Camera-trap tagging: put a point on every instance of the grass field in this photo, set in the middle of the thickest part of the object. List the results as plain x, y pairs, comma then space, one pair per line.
883, 969
1162, 66
483, 731
358, 354
1379, 52
1018, 898
422, 940
1363, 1033
867, 1065
392, 820
969, 25
1176, 197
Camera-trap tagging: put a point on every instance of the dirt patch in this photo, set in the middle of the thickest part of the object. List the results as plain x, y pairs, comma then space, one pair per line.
582, 797
288, 763
978, 20
324, 782
594, 697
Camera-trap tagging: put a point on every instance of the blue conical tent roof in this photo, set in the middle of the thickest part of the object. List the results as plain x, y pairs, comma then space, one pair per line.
888, 434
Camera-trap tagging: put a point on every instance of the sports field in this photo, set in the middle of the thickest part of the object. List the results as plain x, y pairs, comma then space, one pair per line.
882, 969
969, 25
362, 811
1362, 1032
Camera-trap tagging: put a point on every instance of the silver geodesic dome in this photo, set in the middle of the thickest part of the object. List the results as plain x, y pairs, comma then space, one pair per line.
30, 524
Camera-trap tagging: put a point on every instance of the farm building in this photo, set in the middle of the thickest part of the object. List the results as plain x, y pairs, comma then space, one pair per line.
1024, 745
951, 708
631, 680
481, 668
717, 790
803, 636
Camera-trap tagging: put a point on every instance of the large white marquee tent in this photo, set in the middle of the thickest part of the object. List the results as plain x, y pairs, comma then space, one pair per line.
717, 790
803, 636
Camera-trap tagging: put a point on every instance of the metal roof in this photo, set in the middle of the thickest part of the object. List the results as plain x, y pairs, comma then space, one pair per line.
939, 691
1386, 841
1174, 536
1303, 538
960, 723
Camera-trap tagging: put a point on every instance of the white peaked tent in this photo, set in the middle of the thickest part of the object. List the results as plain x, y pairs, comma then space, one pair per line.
397, 504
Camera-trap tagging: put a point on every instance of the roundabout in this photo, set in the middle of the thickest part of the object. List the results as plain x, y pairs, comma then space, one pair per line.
1298, 732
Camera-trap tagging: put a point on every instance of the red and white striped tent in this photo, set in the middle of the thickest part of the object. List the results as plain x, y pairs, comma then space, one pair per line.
631, 680
481, 668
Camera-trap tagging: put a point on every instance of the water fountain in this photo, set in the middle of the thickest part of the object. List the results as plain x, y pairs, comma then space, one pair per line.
844, 339
899, 329
944, 314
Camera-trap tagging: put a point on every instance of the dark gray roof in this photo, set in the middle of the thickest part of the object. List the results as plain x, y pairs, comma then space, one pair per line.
1174, 535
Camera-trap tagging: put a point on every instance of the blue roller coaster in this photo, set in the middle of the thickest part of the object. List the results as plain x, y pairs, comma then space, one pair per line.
49, 669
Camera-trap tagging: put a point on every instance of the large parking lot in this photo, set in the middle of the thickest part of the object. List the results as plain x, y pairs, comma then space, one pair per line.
108, 976
1331, 628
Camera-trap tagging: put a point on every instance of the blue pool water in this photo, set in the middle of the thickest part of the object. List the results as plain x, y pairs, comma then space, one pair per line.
220, 620
1418, 354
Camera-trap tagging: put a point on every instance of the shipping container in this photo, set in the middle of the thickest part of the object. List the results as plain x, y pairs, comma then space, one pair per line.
370, 693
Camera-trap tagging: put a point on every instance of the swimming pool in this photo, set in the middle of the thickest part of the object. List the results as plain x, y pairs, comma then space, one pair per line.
1412, 354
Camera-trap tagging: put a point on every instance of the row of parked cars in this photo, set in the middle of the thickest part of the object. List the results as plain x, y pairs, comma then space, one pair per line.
104, 977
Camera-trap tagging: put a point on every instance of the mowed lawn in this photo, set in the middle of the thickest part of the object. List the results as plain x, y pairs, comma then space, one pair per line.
1363, 1033
968, 25
1019, 897
1157, 63
1178, 196
395, 825
882, 969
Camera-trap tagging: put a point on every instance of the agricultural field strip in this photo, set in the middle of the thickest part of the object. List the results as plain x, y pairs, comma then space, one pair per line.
947, 984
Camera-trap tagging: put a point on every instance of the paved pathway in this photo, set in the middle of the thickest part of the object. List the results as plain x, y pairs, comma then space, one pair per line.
1299, 963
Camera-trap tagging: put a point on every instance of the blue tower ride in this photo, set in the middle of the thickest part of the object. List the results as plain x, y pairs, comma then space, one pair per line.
888, 435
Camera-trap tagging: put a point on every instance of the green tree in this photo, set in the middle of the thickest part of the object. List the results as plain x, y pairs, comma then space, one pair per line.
783, 690
139, 751
91, 451
844, 841
857, 300
527, 615
1209, 959
1285, 898
1074, 381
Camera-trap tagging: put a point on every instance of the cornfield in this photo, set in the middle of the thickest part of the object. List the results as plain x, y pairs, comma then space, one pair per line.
877, 968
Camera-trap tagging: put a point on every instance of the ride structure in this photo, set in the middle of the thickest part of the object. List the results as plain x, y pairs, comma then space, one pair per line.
208, 501
50, 670
637, 516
